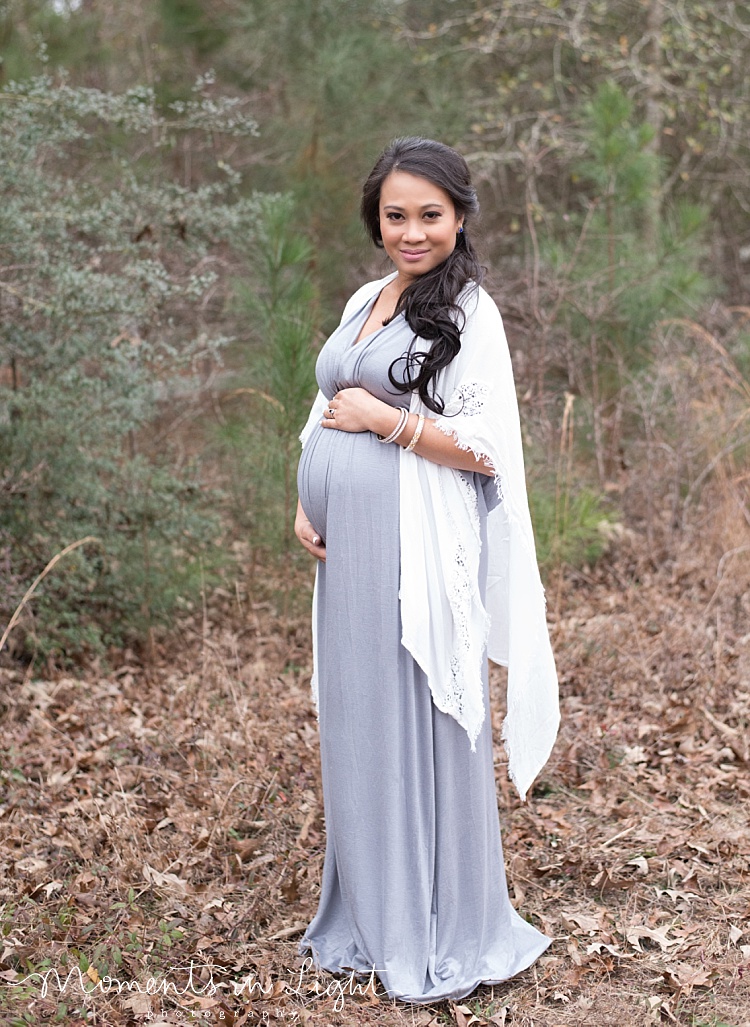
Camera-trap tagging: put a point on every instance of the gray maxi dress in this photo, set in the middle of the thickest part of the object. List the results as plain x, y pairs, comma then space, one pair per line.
413, 882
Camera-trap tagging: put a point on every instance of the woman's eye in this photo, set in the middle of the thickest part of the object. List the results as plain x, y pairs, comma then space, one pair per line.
432, 215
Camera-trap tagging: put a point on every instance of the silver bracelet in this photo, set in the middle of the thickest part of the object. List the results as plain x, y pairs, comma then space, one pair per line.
402, 418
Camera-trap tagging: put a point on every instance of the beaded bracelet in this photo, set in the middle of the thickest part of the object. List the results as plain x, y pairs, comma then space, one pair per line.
416, 435
402, 419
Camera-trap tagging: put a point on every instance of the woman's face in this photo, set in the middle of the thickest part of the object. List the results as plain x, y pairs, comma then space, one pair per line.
418, 223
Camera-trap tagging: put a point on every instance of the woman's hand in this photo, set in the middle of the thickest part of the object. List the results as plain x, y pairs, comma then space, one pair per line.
307, 535
358, 410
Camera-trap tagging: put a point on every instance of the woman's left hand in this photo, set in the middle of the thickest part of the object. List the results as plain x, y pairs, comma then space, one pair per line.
355, 410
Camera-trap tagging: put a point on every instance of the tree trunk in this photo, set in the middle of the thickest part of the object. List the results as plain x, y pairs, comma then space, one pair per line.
654, 115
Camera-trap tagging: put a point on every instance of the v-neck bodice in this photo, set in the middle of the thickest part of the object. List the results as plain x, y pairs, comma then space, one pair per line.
366, 313
335, 460
345, 362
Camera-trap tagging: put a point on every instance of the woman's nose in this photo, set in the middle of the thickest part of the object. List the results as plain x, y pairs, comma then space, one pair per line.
414, 231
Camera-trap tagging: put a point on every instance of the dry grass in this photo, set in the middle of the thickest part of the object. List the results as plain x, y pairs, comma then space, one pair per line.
162, 816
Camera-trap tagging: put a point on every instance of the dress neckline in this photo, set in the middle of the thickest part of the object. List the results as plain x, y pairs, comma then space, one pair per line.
367, 310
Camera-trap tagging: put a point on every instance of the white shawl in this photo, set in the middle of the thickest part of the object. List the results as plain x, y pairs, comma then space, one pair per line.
445, 627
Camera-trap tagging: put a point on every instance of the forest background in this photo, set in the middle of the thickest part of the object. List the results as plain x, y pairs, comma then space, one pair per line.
178, 234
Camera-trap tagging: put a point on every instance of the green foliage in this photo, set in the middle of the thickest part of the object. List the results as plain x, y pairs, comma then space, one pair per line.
572, 520
109, 329
569, 527
260, 437
531, 61
191, 23
615, 273
34, 32
616, 160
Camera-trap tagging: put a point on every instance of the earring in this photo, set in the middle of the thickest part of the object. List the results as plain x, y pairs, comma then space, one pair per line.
461, 230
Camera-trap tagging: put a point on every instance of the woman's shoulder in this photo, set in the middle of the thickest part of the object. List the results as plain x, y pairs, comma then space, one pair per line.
477, 304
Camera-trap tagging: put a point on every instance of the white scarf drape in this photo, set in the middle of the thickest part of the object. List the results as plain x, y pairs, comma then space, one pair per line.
445, 626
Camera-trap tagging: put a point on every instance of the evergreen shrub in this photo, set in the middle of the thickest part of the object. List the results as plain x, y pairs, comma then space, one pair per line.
113, 287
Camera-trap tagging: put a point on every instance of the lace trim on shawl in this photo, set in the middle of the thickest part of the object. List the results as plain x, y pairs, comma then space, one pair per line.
465, 671
480, 455
468, 399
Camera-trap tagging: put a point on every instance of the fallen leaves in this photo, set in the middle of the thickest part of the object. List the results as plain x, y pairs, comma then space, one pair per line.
175, 815
466, 1018
636, 933
167, 882
582, 922
683, 978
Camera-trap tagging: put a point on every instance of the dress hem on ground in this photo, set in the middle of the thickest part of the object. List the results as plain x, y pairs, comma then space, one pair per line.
363, 972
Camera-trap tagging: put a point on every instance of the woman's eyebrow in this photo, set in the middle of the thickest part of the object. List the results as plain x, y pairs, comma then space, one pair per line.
396, 206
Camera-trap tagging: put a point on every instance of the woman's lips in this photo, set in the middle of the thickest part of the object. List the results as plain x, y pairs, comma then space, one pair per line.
413, 254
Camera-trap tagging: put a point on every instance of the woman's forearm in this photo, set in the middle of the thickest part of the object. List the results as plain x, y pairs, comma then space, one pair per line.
433, 444
356, 409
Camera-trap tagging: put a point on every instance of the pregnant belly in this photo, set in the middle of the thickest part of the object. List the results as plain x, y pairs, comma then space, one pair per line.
346, 475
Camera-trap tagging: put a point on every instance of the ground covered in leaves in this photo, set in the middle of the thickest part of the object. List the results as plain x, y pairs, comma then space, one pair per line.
162, 837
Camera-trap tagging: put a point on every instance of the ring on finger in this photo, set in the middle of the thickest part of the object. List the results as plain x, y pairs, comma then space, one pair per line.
315, 540
331, 412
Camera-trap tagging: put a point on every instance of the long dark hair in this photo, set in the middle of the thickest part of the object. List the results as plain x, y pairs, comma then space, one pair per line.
429, 302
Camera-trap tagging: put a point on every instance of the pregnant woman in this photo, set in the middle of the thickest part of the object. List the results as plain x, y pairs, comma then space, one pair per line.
412, 497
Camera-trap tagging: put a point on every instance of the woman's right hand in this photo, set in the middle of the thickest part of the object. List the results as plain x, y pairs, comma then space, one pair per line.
307, 535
